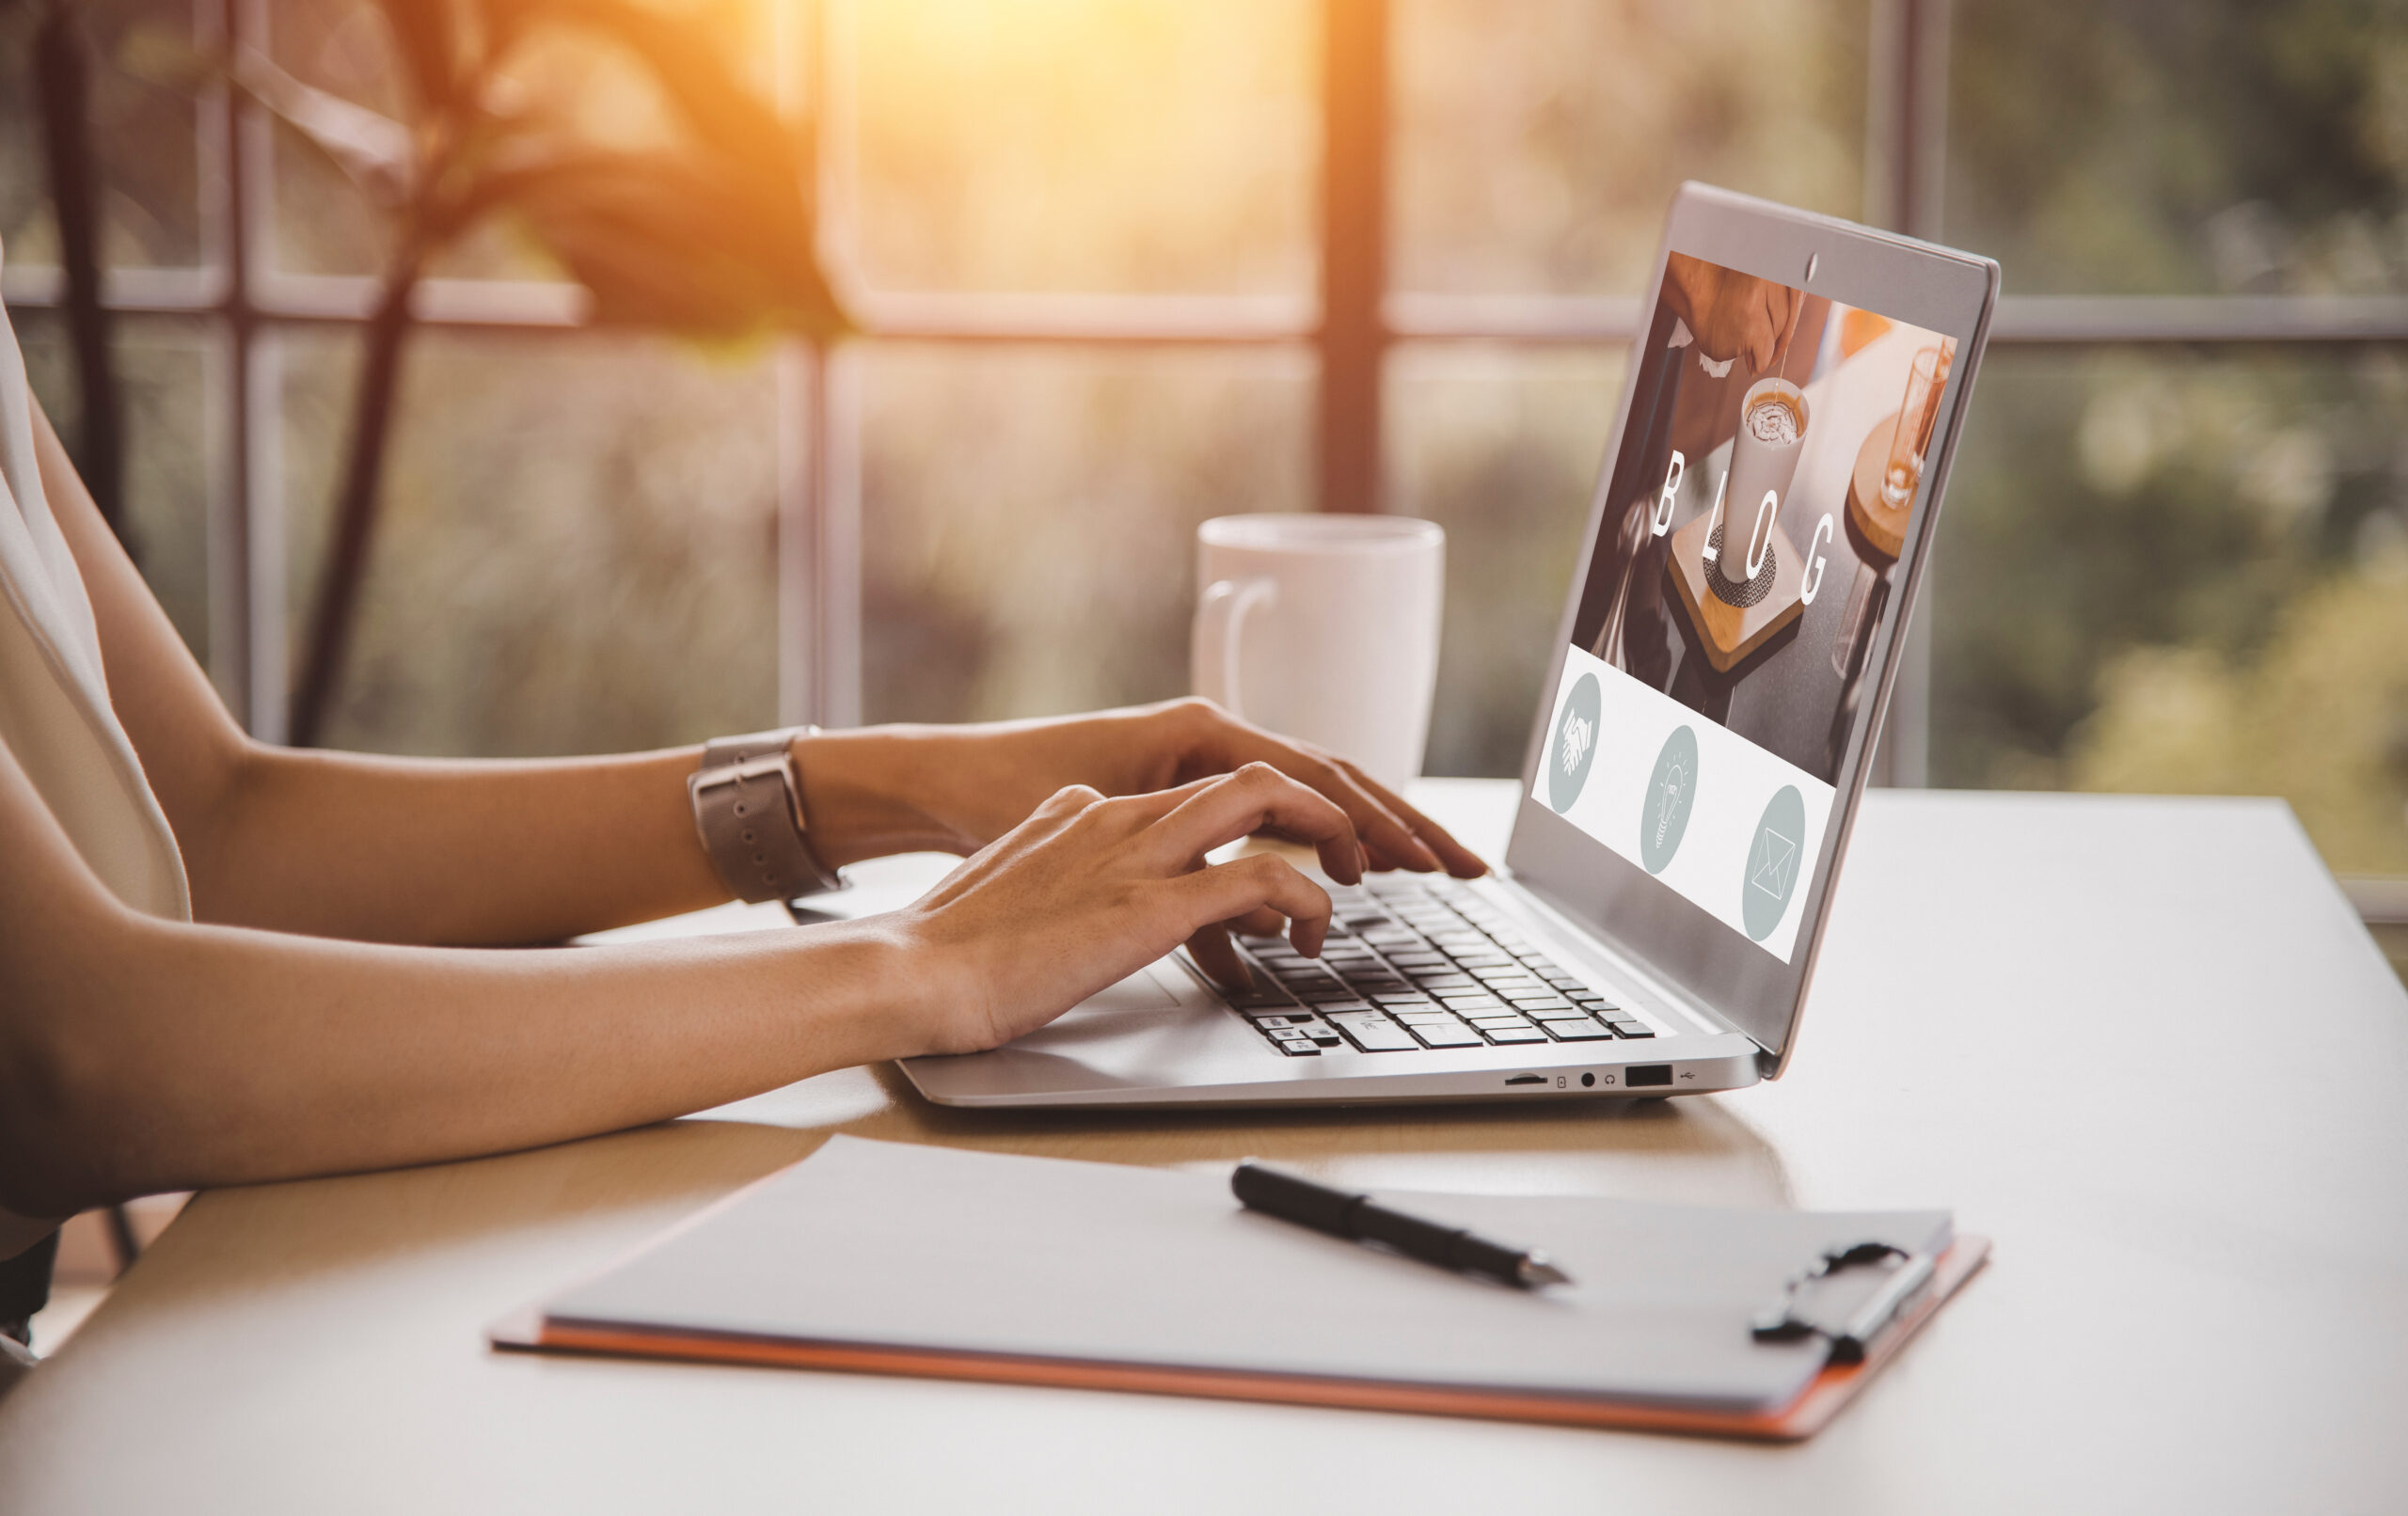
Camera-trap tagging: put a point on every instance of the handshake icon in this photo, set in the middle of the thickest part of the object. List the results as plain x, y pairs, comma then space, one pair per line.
1578, 735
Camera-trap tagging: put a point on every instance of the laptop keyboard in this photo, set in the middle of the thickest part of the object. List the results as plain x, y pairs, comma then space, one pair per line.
1411, 964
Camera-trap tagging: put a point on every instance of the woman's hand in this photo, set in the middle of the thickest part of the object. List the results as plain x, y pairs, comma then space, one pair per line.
1733, 315
957, 788
1088, 891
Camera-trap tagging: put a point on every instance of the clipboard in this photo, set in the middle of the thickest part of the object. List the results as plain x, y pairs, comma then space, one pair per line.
711, 1292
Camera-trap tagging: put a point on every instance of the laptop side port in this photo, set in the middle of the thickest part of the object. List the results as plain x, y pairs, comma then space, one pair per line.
1641, 1076
1528, 1079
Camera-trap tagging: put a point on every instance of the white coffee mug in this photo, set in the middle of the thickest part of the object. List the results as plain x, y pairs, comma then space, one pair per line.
1325, 627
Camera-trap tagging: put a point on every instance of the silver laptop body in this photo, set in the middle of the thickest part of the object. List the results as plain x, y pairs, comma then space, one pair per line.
1694, 771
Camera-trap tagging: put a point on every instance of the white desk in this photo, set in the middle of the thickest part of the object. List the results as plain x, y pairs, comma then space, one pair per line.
2144, 1044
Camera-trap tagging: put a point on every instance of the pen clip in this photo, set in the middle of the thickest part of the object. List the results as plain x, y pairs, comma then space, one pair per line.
1784, 1319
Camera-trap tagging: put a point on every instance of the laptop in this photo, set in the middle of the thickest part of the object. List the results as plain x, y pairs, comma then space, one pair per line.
1726, 649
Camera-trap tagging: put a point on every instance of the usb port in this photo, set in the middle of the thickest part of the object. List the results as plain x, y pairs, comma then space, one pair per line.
1643, 1075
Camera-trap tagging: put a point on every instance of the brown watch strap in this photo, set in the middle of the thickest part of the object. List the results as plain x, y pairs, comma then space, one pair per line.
748, 811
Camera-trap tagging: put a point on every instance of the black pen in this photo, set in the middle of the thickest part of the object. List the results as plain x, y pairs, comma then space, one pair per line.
1341, 1214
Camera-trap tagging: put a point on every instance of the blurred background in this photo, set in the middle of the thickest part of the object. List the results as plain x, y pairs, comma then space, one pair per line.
1114, 266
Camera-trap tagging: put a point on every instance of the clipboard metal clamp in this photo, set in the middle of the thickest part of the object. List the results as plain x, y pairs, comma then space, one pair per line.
1785, 1318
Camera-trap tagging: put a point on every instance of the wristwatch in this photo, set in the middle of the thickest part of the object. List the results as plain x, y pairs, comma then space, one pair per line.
748, 811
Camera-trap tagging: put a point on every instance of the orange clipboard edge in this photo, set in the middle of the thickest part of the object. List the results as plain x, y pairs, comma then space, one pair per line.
529, 1330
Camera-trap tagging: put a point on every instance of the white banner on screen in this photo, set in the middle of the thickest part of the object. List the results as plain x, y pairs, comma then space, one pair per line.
1705, 813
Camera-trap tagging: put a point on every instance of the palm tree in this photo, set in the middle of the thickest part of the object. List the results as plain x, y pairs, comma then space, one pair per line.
711, 235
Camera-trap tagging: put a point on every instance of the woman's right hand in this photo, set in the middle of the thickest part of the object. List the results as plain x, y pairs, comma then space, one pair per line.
1088, 891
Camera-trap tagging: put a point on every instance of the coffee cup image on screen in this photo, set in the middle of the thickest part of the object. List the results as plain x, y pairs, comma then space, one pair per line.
1750, 540
1751, 536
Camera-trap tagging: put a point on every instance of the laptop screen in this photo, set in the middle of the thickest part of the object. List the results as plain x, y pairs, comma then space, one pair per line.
1759, 511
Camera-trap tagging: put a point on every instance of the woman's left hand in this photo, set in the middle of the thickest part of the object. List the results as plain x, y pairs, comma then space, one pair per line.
956, 788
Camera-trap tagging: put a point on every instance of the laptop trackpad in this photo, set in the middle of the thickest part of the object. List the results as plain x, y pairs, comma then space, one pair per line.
1137, 1007
1140, 991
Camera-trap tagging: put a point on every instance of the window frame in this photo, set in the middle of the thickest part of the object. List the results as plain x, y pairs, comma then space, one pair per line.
1351, 324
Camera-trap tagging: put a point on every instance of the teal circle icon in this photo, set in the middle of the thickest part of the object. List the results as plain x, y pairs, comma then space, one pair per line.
1574, 750
1672, 793
1776, 861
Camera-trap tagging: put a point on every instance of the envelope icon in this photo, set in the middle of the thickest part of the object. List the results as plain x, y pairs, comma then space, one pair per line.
1775, 864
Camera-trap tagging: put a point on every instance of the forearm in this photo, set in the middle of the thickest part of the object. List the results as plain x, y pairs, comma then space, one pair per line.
486, 853
466, 853
169, 1056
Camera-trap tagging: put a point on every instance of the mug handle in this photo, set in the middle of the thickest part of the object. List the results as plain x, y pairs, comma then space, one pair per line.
1219, 630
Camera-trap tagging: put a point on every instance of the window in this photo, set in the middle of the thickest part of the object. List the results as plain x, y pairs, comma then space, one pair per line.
1125, 263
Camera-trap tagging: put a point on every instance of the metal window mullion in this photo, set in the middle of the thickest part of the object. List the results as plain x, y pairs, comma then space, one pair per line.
797, 414
1905, 174
225, 342
836, 544
1906, 116
819, 553
261, 438
798, 419
224, 542
1354, 251
819, 556
256, 409
1924, 153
